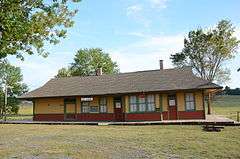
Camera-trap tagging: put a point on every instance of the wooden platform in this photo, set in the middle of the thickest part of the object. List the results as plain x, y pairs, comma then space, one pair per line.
210, 119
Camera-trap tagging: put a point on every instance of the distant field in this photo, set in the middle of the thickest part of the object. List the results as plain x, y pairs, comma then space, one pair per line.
227, 106
25, 113
159, 141
26, 109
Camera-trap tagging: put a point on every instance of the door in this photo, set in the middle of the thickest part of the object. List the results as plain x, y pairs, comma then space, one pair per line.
70, 109
118, 110
172, 107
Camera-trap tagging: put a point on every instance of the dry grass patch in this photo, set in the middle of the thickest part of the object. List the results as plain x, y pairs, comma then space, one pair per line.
66, 141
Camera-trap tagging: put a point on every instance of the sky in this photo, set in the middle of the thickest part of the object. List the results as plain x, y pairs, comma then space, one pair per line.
136, 34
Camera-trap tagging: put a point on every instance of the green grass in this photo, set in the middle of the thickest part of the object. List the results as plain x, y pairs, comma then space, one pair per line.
25, 113
227, 106
26, 109
73, 141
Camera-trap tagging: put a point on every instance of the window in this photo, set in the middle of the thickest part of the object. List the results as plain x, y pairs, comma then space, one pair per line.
94, 109
133, 103
150, 103
103, 105
142, 103
85, 107
189, 101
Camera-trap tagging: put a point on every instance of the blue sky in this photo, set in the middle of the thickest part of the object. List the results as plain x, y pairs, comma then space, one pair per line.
136, 34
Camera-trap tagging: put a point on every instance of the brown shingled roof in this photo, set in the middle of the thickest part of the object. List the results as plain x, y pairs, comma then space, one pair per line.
142, 81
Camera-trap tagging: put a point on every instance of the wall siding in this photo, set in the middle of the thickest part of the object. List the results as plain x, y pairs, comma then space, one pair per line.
53, 109
49, 106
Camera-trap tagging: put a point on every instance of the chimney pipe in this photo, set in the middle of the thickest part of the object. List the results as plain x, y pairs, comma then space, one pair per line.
99, 71
161, 64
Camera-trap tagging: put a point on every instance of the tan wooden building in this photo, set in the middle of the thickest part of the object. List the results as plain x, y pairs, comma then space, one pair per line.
165, 94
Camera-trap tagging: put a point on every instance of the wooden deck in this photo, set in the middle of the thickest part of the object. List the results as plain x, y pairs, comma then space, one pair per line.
210, 119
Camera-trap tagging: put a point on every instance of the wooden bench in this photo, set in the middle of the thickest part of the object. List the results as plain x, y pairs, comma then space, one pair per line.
212, 127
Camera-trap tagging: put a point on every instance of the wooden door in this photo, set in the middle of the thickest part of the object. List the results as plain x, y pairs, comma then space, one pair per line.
118, 111
172, 107
70, 111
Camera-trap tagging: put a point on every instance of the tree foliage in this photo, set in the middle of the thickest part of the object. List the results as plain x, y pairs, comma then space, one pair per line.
25, 25
11, 76
87, 61
206, 51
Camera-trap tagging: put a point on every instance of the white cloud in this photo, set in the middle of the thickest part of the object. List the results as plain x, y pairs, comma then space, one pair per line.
37, 70
145, 54
136, 12
134, 9
160, 4
137, 34
139, 12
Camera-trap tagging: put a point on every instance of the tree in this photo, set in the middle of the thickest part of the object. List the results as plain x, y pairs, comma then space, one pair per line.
206, 51
26, 25
12, 77
63, 72
87, 61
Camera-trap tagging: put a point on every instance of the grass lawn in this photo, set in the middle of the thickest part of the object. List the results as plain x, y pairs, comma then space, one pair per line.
72, 141
227, 106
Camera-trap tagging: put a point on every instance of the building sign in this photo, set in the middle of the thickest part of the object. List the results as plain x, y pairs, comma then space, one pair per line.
172, 102
118, 105
87, 99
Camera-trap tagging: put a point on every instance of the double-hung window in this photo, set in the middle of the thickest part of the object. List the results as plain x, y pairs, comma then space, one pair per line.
189, 101
150, 103
103, 105
133, 103
85, 107
142, 103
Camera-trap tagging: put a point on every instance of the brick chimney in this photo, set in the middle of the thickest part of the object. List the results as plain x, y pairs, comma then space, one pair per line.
99, 71
161, 64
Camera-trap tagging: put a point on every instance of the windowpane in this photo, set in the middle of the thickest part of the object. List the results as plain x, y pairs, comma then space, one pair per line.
133, 99
133, 107
150, 98
151, 107
85, 109
189, 99
93, 109
141, 100
150, 103
103, 109
103, 101
142, 107
103, 104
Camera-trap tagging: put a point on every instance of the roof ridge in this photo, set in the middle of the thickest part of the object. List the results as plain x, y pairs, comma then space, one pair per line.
121, 73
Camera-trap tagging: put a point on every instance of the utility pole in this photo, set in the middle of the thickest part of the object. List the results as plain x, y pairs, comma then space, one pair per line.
5, 102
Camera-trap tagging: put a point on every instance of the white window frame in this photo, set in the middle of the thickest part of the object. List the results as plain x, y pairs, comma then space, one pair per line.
103, 105
85, 108
150, 103
142, 104
190, 104
133, 105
